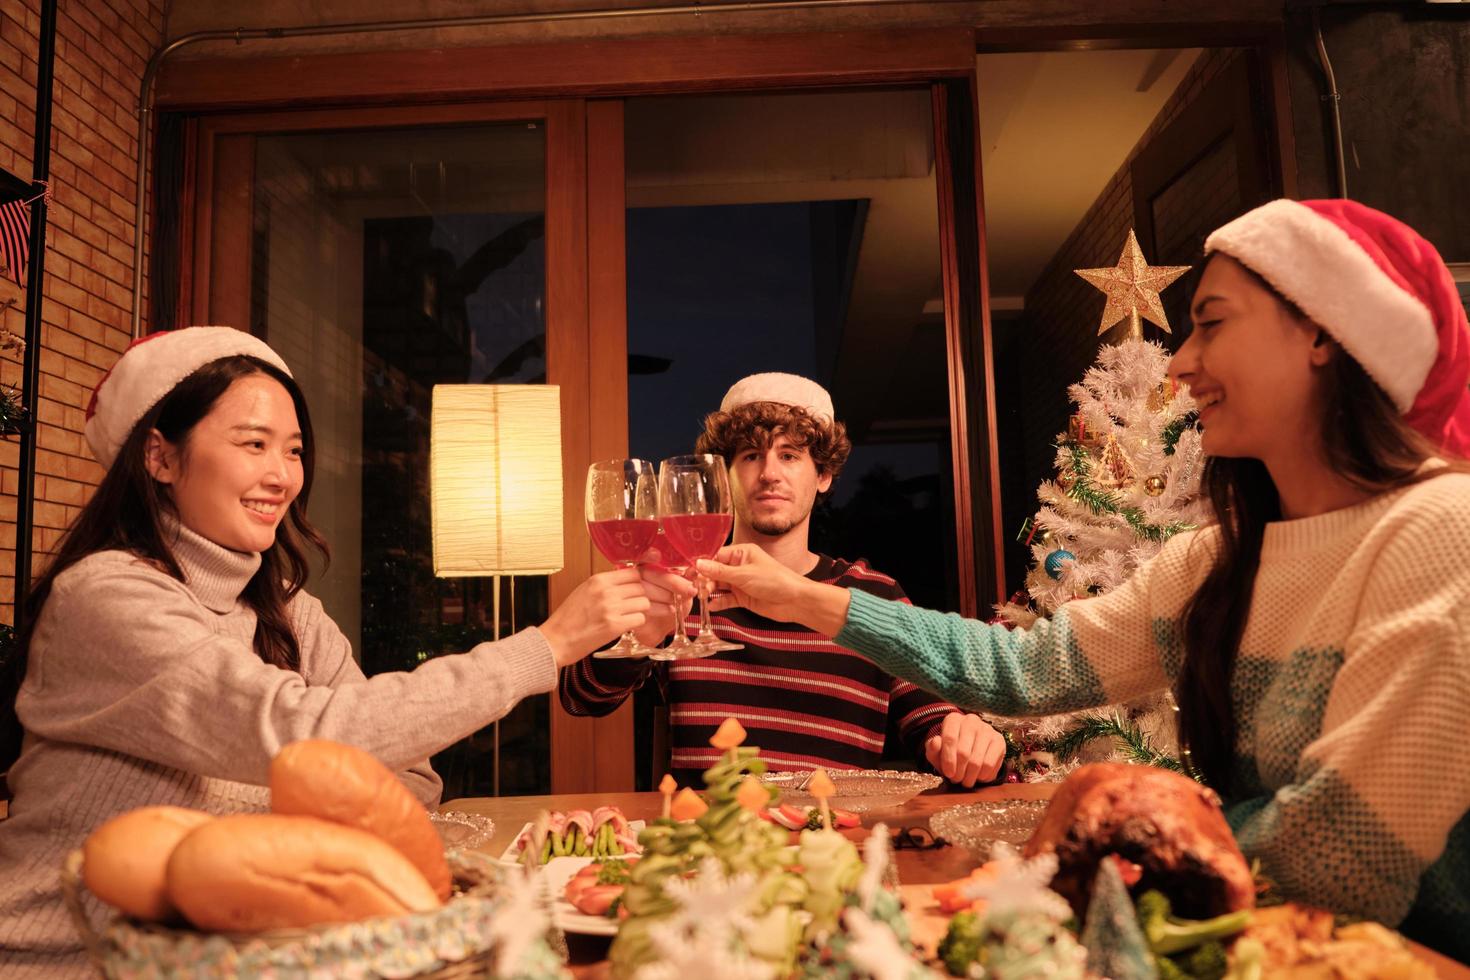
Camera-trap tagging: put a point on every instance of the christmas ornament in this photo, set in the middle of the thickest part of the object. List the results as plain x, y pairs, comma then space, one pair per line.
1066, 479
1078, 431
1040, 535
1112, 468
1054, 562
1154, 485
1162, 395
1132, 288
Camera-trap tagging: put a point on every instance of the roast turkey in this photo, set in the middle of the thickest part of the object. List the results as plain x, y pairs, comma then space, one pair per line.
1169, 825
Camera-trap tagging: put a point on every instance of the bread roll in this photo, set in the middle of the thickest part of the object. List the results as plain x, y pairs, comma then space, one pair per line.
124, 859
317, 778
259, 871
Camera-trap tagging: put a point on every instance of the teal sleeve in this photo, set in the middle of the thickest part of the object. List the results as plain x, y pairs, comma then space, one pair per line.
974, 665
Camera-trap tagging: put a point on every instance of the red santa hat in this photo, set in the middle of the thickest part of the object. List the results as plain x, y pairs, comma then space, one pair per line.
783, 389
1380, 290
149, 369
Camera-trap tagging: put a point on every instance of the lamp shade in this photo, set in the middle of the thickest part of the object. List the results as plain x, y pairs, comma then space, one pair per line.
495, 480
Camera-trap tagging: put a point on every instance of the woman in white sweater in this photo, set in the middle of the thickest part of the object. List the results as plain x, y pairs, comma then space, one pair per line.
1317, 636
172, 651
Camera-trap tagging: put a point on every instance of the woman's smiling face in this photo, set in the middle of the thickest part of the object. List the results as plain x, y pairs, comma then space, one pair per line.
238, 469
1251, 365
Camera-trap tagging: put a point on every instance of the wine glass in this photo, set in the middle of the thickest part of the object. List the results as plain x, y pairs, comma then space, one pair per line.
694, 511
622, 517
670, 560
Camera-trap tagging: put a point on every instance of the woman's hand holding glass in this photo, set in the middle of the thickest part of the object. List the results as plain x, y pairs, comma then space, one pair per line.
601, 608
670, 593
768, 588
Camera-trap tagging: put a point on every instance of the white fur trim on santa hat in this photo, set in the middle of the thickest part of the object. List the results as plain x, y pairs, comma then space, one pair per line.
150, 369
1317, 265
783, 389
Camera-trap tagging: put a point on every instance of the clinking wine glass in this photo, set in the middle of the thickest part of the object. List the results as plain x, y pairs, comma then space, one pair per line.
622, 517
670, 560
694, 511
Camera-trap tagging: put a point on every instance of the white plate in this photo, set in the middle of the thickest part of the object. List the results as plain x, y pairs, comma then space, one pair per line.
559, 871
510, 855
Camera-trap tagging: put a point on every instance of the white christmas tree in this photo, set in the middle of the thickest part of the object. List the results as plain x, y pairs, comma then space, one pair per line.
1127, 480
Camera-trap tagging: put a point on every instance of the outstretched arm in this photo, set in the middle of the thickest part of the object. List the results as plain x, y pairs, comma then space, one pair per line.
127, 659
1043, 670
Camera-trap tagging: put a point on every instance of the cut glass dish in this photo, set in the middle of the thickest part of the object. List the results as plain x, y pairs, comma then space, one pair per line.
463, 831
857, 789
977, 826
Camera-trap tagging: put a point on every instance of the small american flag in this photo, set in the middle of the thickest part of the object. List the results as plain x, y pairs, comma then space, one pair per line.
15, 237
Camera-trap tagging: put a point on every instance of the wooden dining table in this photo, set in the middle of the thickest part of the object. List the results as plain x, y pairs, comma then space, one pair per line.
918, 870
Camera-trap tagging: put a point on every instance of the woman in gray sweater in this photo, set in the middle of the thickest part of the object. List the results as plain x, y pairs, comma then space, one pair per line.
172, 651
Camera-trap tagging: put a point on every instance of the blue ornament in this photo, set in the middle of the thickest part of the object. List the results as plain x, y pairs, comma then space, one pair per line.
1054, 562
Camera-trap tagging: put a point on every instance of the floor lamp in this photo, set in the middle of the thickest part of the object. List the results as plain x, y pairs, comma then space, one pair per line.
495, 488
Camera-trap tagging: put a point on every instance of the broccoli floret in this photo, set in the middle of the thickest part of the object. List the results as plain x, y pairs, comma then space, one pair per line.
961, 944
1168, 969
1167, 934
1207, 962
814, 819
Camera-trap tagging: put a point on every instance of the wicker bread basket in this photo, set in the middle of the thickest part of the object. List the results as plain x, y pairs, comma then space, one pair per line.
452, 942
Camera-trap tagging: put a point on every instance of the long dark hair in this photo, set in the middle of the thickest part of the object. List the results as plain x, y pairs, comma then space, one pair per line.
1366, 441
125, 514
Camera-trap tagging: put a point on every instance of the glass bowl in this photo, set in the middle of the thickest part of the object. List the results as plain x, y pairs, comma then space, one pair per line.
462, 831
857, 789
977, 826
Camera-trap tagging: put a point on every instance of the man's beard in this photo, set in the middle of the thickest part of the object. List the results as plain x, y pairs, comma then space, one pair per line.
773, 526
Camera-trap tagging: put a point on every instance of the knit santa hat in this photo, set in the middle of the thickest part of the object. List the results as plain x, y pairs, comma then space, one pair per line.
149, 369
1380, 290
783, 389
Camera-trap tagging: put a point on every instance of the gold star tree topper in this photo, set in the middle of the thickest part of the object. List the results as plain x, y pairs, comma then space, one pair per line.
1132, 288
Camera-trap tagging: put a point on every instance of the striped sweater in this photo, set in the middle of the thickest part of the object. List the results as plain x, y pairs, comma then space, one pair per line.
1350, 691
142, 689
805, 700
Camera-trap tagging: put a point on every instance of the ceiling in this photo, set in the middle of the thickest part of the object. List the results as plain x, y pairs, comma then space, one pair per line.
1054, 128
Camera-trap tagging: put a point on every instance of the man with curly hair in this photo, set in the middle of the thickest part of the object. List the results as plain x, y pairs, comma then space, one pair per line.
804, 700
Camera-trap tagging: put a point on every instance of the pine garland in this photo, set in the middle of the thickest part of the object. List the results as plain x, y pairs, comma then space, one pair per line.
1102, 502
1131, 738
1175, 429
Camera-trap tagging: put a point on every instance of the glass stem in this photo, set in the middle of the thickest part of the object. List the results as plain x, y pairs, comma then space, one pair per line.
704, 627
683, 625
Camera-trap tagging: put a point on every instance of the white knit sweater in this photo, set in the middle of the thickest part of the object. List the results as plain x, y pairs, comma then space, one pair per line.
142, 689
1351, 693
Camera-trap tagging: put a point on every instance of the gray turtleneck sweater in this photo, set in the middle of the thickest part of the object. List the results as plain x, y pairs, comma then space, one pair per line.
142, 689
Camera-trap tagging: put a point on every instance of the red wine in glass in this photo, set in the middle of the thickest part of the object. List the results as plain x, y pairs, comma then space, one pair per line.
621, 506
694, 512
697, 535
623, 541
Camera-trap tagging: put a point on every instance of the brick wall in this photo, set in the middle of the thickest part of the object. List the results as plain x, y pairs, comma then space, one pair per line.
1055, 341
102, 47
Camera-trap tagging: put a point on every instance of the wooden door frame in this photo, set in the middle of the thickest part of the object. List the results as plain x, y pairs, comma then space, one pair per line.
216, 289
